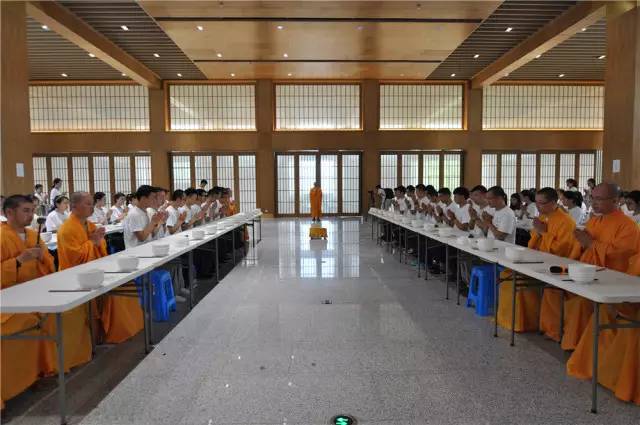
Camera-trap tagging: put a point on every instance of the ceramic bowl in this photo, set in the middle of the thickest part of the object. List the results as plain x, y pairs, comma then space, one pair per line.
160, 249
90, 279
429, 226
127, 263
182, 241
213, 229
416, 223
197, 235
581, 272
462, 240
46, 236
514, 253
445, 232
485, 244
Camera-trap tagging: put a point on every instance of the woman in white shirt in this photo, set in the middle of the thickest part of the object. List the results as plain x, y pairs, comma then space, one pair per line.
59, 214
632, 201
99, 216
572, 201
118, 210
55, 191
529, 209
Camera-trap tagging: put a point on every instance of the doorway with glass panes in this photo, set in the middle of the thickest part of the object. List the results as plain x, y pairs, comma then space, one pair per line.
339, 175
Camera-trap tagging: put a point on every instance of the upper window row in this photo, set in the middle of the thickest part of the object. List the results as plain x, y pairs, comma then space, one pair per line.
314, 106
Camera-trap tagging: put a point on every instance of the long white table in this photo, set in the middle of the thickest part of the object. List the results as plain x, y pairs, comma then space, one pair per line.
610, 286
59, 292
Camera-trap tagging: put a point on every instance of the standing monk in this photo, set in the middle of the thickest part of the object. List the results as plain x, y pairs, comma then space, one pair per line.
23, 259
315, 197
79, 241
553, 233
609, 240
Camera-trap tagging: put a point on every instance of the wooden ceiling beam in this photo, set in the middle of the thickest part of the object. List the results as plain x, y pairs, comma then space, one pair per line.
555, 32
62, 21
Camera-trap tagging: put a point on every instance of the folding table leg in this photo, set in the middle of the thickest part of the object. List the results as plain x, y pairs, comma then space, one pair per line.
561, 316
495, 299
419, 257
217, 262
458, 277
91, 329
146, 311
191, 278
513, 310
233, 245
62, 397
446, 268
594, 367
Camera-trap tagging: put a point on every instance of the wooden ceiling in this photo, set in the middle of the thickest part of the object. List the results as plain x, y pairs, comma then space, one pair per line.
321, 39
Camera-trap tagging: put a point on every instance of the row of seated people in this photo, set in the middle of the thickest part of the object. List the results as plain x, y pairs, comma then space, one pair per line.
79, 240
610, 238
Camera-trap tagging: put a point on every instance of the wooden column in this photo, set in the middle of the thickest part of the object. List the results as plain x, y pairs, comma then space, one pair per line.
14, 122
265, 160
622, 96
473, 148
370, 163
157, 140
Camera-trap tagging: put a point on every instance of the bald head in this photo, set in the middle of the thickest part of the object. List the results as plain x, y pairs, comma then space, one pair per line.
605, 198
81, 204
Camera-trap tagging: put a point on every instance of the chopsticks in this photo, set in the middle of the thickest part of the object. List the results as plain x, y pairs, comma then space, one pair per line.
528, 262
70, 290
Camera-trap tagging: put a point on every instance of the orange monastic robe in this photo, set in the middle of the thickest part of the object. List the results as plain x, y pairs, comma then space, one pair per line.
616, 238
74, 248
316, 202
558, 240
618, 349
20, 359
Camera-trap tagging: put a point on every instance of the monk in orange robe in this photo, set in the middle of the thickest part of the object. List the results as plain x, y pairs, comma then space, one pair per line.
315, 197
553, 233
618, 349
23, 259
609, 240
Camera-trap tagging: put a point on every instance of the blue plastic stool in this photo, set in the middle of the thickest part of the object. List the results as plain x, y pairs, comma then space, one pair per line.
481, 288
163, 300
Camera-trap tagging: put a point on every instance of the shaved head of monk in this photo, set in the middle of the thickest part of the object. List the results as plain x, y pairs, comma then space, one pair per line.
605, 198
81, 204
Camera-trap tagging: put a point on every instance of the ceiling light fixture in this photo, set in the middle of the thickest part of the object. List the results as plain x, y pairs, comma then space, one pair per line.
179, 75
476, 56
453, 75
360, 27
200, 28
64, 75
561, 75
509, 29
219, 55
280, 27
233, 75
285, 55
44, 27
156, 55
602, 56
506, 75
538, 56
124, 75
124, 27
583, 29
91, 55
289, 74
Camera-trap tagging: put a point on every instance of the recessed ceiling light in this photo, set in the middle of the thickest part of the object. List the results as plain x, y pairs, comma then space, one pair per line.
64, 75
583, 29
476, 56
219, 55
453, 75
360, 27
179, 75
561, 75
233, 75
156, 55
285, 55
280, 27
506, 75
402, 75
509, 29
44, 27
124, 75
91, 55
200, 28
124, 27
602, 56
289, 74
538, 56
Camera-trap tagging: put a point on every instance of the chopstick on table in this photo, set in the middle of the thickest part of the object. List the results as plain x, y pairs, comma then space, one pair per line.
70, 290
528, 262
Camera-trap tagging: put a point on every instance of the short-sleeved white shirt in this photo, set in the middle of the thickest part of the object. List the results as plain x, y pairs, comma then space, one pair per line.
55, 192
186, 209
98, 216
173, 215
55, 220
577, 214
162, 230
461, 212
505, 221
116, 213
135, 221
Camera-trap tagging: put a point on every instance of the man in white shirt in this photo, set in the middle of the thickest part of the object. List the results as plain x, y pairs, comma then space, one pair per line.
55, 191
158, 200
479, 205
175, 218
502, 225
444, 205
191, 219
459, 216
380, 196
138, 227
401, 202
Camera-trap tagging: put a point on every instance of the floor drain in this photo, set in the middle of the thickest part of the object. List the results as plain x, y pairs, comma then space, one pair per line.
343, 420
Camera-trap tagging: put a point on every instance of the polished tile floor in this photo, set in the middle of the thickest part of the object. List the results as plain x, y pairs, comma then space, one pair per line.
311, 329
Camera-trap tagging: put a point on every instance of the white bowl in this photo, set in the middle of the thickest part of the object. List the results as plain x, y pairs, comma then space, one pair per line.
182, 241
160, 249
90, 279
416, 223
462, 240
127, 263
514, 253
445, 231
212, 230
485, 244
429, 226
581, 272
46, 236
406, 220
197, 234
